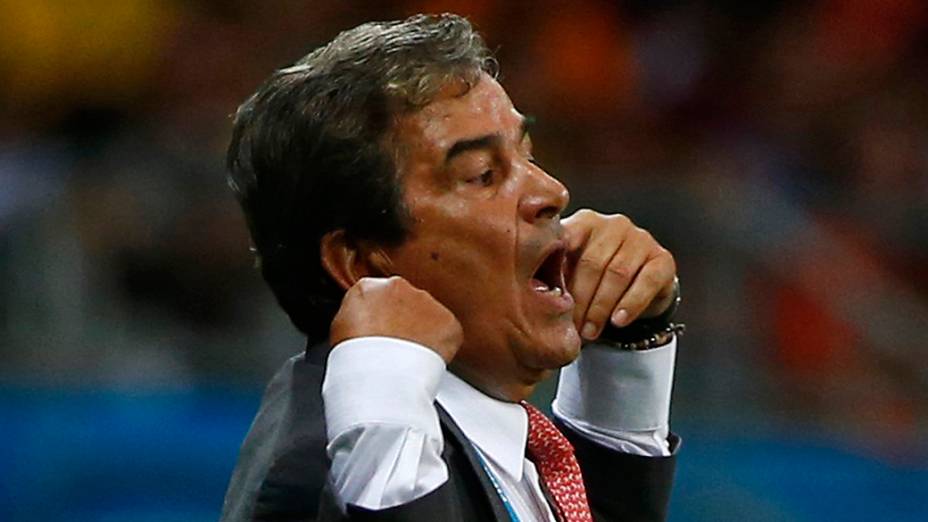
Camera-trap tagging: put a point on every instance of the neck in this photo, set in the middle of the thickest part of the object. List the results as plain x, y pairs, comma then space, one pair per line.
504, 389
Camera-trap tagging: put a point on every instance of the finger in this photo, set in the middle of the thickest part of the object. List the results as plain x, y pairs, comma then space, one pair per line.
616, 279
653, 279
587, 273
592, 241
575, 233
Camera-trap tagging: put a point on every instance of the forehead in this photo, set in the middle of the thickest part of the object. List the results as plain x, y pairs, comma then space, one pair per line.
483, 110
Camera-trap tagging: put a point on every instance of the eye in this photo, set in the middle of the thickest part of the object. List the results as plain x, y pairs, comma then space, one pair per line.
484, 180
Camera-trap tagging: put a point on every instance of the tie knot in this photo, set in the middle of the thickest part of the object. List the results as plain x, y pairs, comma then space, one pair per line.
545, 442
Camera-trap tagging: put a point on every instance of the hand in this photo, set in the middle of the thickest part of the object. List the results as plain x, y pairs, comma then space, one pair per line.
616, 271
393, 307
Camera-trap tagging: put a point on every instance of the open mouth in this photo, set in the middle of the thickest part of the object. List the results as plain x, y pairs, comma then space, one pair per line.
549, 276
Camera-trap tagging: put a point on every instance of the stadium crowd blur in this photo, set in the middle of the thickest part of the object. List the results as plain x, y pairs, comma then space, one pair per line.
779, 149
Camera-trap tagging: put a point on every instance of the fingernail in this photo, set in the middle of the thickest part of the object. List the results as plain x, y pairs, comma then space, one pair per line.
620, 317
589, 331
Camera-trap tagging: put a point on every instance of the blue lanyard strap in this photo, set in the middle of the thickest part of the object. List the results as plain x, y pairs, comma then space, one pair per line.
499, 490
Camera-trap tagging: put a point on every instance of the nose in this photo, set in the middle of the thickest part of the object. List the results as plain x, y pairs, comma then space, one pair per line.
545, 197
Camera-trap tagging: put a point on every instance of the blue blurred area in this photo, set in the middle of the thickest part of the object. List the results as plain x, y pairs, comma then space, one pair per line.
109, 455
794, 477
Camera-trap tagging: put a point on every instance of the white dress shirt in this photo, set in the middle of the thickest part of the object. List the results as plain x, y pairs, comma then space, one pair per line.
385, 440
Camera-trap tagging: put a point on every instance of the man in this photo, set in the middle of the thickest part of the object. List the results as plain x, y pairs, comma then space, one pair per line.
404, 226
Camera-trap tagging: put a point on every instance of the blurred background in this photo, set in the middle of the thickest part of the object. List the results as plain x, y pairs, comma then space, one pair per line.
779, 149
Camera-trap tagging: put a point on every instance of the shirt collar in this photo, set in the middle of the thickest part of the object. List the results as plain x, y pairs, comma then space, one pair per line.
498, 428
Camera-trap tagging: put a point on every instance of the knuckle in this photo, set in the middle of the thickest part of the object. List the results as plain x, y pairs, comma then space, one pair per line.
652, 278
584, 213
422, 294
621, 219
401, 285
597, 312
633, 303
369, 283
663, 259
619, 270
588, 263
595, 218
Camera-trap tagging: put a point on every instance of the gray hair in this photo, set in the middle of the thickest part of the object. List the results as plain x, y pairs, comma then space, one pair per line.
307, 154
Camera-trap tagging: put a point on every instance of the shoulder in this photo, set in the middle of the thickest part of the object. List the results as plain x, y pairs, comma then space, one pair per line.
282, 463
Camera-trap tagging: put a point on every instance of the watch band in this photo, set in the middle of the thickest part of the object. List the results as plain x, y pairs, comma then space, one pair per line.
644, 334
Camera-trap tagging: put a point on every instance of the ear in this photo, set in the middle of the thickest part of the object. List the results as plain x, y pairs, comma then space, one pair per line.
348, 261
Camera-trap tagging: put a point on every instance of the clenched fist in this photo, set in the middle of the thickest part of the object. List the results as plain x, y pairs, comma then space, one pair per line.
393, 307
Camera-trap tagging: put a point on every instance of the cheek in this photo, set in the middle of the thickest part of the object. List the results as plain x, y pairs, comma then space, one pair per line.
470, 240
469, 269
462, 252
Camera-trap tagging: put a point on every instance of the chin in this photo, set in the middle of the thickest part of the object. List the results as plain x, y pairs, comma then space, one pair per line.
554, 350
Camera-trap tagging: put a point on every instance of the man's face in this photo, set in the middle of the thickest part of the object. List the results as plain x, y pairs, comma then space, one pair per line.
486, 237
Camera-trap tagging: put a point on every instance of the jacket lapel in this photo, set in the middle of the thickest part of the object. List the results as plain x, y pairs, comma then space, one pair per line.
486, 484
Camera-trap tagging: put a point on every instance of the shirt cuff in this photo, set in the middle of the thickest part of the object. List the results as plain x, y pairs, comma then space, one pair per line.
618, 390
372, 380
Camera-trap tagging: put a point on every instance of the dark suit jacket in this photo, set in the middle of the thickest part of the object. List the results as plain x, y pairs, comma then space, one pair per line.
282, 469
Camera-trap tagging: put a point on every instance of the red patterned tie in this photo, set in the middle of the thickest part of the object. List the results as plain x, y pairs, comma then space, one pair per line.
553, 454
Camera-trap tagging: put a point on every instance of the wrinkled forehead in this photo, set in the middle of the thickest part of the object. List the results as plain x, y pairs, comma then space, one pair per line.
425, 134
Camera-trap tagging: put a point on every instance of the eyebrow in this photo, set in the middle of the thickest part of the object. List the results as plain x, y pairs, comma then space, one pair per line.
485, 142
